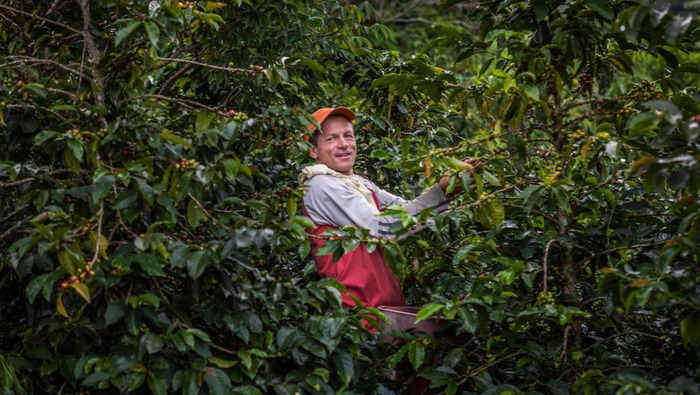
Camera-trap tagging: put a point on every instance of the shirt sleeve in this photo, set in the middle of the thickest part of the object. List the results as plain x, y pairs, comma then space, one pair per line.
329, 201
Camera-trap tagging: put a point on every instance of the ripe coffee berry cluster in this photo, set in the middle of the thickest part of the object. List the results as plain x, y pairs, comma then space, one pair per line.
75, 132
284, 191
186, 164
587, 77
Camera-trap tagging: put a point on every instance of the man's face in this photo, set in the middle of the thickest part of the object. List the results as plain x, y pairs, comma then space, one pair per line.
335, 146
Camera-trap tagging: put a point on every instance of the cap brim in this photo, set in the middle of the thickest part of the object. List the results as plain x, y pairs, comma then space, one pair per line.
321, 115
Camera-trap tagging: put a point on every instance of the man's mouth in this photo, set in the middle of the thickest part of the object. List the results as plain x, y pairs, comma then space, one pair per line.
343, 155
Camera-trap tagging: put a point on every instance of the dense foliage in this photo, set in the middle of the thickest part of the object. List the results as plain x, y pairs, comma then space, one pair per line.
151, 232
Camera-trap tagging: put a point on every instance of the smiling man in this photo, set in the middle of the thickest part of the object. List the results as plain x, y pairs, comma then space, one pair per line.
337, 197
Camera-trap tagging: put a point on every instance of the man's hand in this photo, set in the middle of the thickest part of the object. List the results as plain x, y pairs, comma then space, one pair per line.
445, 180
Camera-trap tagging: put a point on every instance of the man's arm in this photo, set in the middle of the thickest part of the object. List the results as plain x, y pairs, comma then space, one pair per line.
329, 201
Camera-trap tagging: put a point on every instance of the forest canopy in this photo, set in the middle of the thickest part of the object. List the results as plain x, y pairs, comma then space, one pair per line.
151, 232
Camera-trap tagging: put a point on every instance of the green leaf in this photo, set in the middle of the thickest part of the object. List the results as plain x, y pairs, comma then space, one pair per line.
541, 8
217, 381
196, 263
603, 7
381, 154
68, 260
95, 379
173, 138
126, 199
428, 311
72, 162
38, 89
200, 334
203, 121
494, 210
157, 385
154, 343
148, 298
690, 328
305, 222
194, 214
102, 186
291, 206
126, 32
344, 365
350, 243
329, 247
149, 264
462, 253
416, 354
153, 33
39, 283
398, 357
115, 312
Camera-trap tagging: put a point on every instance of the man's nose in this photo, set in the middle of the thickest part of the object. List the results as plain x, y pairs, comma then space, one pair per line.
342, 142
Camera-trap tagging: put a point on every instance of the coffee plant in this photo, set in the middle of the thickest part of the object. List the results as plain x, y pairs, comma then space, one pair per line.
151, 230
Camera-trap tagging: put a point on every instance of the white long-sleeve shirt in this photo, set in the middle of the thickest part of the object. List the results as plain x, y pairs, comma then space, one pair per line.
329, 200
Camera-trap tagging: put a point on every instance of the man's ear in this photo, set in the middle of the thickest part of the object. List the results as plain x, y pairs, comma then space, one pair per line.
312, 152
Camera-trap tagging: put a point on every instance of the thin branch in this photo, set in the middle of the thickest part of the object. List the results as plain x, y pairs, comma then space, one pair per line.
547, 216
7, 232
599, 254
187, 103
211, 66
544, 264
12, 214
174, 78
30, 59
226, 350
35, 108
482, 199
487, 366
14, 10
121, 221
98, 83
160, 291
30, 179
208, 214
565, 342
178, 53
627, 333
99, 235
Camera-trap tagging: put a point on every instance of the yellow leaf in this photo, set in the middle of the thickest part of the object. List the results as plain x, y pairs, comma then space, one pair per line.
458, 164
211, 5
428, 166
103, 243
642, 282
606, 270
671, 243
59, 306
82, 290
643, 161
687, 201
222, 363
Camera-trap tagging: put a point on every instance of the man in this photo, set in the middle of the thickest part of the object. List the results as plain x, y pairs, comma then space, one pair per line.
337, 197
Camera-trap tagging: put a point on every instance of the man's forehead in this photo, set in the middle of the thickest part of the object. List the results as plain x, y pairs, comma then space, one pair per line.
339, 124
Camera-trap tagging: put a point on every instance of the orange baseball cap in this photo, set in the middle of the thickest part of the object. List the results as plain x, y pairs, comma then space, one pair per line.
322, 114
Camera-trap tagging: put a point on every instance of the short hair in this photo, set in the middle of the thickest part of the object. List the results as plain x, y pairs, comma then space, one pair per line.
314, 139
